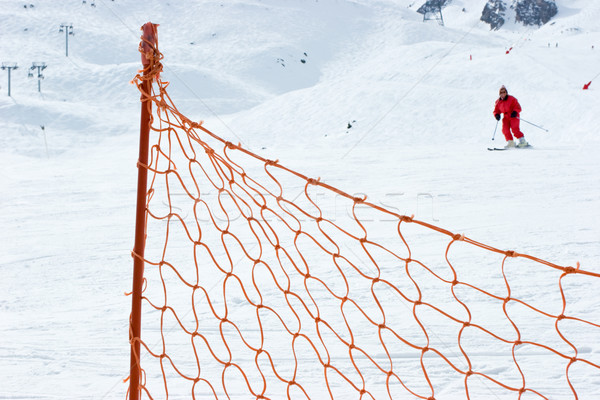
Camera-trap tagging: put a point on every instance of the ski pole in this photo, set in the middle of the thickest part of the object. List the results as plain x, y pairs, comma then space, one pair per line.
537, 126
495, 129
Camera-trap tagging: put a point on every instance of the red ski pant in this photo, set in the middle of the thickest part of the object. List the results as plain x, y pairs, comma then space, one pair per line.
509, 124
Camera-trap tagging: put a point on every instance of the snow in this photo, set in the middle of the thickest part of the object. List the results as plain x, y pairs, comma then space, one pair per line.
419, 98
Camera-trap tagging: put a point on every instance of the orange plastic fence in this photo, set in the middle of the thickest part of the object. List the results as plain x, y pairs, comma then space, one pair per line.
263, 283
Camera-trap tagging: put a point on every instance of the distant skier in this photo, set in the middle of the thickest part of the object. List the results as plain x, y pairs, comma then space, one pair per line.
510, 107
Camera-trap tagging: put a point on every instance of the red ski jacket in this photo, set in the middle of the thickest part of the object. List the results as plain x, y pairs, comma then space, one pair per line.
506, 106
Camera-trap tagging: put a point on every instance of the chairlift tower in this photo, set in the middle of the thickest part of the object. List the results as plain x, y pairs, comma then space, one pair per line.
434, 14
68, 29
9, 66
40, 67
432, 11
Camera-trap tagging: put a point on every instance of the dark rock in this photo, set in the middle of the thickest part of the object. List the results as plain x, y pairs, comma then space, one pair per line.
527, 12
493, 13
535, 12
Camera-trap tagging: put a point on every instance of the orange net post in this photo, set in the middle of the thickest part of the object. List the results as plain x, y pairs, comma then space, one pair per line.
262, 283
151, 69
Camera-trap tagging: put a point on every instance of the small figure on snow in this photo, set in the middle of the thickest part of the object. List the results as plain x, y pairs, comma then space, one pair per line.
510, 107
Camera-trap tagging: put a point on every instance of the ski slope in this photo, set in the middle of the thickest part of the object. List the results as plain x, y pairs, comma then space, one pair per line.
419, 98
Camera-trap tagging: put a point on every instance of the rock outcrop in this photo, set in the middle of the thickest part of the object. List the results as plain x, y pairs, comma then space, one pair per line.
527, 12
494, 13
535, 12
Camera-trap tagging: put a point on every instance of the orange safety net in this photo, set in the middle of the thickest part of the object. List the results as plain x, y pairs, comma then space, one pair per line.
263, 283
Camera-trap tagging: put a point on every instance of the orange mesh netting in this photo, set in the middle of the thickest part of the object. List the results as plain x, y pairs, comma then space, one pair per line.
263, 283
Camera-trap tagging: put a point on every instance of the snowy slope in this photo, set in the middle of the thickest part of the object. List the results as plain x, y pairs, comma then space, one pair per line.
419, 98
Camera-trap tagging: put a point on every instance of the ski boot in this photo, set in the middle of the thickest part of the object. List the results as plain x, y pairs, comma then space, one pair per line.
522, 143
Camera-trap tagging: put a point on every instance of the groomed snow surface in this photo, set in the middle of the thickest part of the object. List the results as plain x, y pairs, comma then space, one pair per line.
286, 79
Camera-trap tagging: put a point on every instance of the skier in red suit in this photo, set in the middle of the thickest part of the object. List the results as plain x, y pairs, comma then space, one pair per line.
510, 107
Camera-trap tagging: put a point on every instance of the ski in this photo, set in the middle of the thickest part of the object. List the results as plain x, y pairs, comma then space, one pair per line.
510, 148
